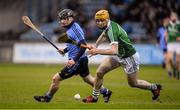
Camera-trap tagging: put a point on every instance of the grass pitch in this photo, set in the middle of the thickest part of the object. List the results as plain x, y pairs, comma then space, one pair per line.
20, 82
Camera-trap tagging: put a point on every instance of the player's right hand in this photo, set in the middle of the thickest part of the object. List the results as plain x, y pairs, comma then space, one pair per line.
89, 48
89, 52
61, 51
178, 39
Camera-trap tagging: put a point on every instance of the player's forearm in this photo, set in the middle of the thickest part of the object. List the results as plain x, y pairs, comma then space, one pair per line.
111, 51
80, 52
100, 40
166, 37
178, 39
106, 52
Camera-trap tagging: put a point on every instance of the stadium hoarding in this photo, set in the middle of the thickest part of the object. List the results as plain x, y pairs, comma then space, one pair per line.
45, 53
149, 54
36, 53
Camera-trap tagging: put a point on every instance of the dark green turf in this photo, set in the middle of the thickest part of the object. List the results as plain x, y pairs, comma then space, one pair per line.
20, 82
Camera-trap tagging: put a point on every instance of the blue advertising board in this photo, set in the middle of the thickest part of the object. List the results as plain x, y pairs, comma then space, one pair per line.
149, 54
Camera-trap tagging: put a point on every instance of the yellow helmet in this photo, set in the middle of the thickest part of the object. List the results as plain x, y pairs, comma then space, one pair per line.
102, 14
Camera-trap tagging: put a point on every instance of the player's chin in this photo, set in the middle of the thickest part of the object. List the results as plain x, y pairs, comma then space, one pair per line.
64, 25
101, 27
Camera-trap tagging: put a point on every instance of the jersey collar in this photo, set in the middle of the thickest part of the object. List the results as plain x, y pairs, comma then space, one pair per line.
109, 21
172, 23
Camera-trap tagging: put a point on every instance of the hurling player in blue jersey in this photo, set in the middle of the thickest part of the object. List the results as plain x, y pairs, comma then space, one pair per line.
77, 60
162, 38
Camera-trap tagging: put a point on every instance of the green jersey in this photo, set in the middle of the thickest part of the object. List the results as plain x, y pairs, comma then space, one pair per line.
116, 34
173, 31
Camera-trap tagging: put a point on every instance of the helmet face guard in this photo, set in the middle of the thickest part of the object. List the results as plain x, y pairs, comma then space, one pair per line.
65, 14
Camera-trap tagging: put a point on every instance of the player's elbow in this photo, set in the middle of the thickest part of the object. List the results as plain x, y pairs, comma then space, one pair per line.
114, 49
114, 52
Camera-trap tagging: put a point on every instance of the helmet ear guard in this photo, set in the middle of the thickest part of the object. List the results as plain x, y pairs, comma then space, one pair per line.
102, 14
65, 14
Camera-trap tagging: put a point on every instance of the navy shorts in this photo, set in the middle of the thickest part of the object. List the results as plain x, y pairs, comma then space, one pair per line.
80, 68
165, 50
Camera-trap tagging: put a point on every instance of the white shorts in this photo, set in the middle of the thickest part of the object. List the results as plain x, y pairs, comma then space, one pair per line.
174, 47
130, 64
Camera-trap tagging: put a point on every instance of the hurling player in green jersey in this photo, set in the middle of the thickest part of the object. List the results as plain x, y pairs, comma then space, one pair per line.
173, 46
121, 53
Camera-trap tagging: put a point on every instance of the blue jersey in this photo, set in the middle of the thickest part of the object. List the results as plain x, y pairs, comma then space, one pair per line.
161, 36
75, 33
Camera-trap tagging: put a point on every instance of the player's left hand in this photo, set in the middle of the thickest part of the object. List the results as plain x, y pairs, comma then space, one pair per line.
93, 51
178, 39
70, 63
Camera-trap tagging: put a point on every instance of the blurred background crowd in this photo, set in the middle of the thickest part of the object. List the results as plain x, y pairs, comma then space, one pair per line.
140, 18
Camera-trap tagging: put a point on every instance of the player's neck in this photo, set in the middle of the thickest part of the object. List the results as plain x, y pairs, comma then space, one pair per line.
69, 26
